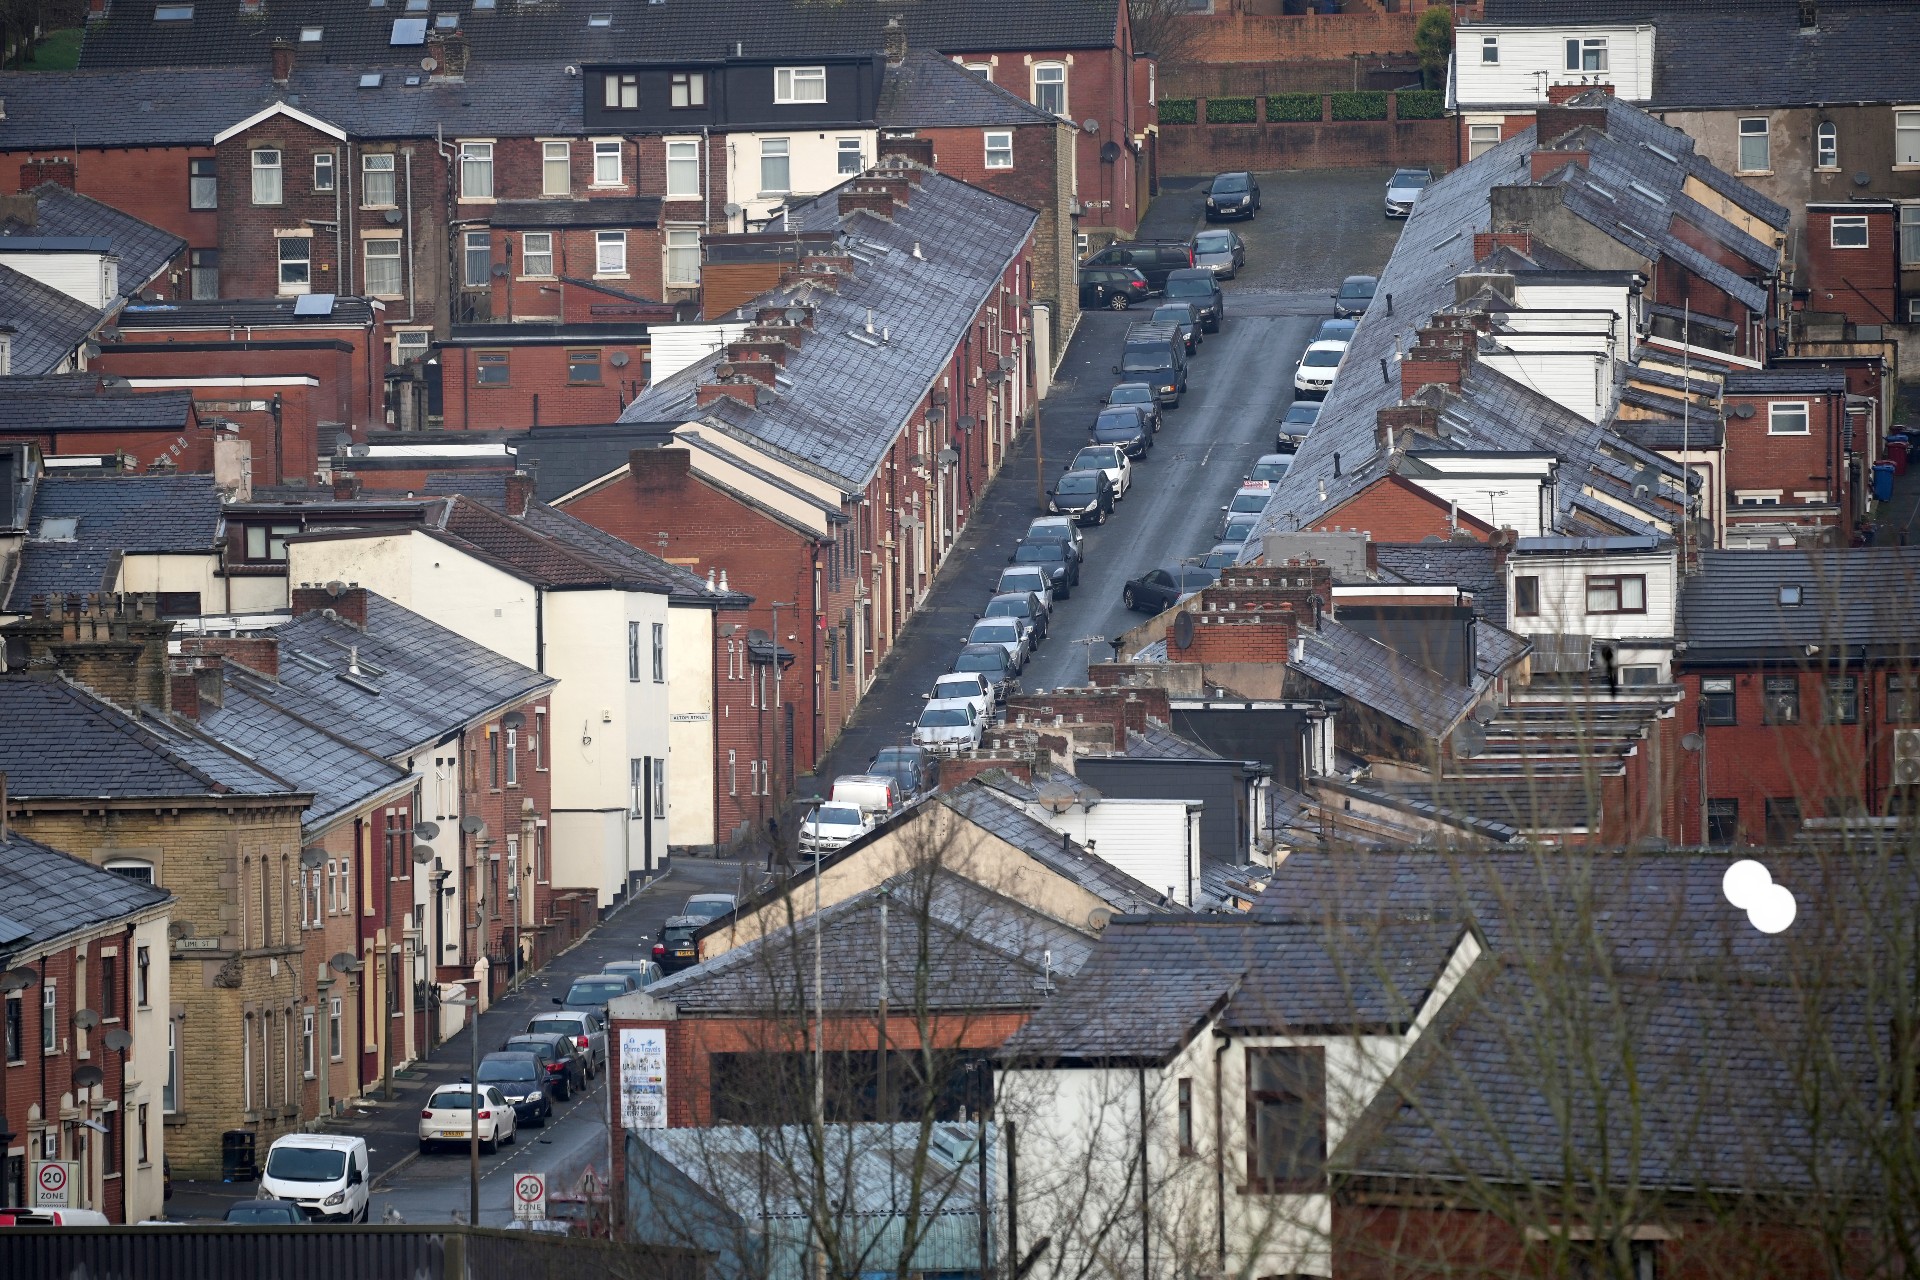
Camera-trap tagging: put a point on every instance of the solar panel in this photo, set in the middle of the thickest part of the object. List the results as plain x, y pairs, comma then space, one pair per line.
313, 304
408, 31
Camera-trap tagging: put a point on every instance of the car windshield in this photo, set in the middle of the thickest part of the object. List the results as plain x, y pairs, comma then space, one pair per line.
1213, 242
944, 718
1144, 359
1270, 469
556, 1026
1228, 183
1357, 289
449, 1100
1125, 419
1038, 553
306, 1164
594, 992
986, 660
1076, 482
1193, 287
1220, 559
1415, 178
1322, 359
278, 1213
1131, 393
957, 687
1249, 502
1006, 609
836, 815
1094, 460
1179, 313
1336, 330
995, 632
501, 1070
1196, 577
709, 909
1239, 527
1302, 412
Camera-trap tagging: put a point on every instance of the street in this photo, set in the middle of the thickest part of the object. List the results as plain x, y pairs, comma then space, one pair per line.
1314, 229
431, 1188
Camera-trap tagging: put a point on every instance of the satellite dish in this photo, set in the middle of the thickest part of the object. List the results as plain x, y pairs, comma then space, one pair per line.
424, 830
423, 854
429, 64
473, 824
1743, 411
1693, 741
513, 720
118, 1039
88, 1076
757, 636
499, 271
1433, 537
1182, 632
1090, 125
1485, 713
344, 962
1469, 740
1099, 917
731, 209
343, 441
619, 359
312, 856
17, 979
180, 929
1863, 179
85, 1019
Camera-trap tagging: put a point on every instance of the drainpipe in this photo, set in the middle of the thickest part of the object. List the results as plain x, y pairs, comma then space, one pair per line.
408, 153
339, 226
1220, 1154
1146, 1235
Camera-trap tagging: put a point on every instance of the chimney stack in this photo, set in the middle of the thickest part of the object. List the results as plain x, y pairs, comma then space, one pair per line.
282, 60
115, 645
519, 491
347, 601
896, 40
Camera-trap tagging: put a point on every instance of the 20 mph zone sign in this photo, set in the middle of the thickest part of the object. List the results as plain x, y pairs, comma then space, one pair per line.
530, 1195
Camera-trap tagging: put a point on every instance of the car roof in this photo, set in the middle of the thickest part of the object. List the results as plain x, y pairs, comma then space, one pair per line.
1024, 597
1144, 386
1327, 344
864, 777
508, 1053
1411, 171
1359, 280
670, 921
1192, 273
1274, 457
1231, 173
542, 1036
946, 704
1307, 409
326, 1141
710, 897
1089, 472
966, 649
556, 1013
957, 675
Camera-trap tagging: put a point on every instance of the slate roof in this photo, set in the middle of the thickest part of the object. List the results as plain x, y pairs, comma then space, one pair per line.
46, 894
430, 680
844, 399
1470, 566
1153, 982
1123, 893
979, 951
67, 402
143, 250
46, 325
224, 313
83, 746
635, 211
117, 515
1856, 597
1374, 675
1158, 742
1762, 382
219, 34
1702, 430
928, 91
680, 582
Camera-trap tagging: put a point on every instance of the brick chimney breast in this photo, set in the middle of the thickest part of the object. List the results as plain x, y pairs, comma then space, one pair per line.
115, 645
346, 600
283, 51
746, 393
520, 486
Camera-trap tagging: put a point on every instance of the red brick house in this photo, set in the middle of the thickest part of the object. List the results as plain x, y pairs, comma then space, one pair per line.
1853, 261
1791, 466
533, 375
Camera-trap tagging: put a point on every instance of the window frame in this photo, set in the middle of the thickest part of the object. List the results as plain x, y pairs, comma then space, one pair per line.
1477, 147
633, 652
1489, 51
1526, 595
472, 243
483, 361
1764, 137
1183, 1116
396, 258
1619, 584
687, 91
1804, 410
379, 171
1779, 686
659, 653
989, 150
787, 79
620, 91
560, 153
602, 241
528, 255
324, 160
1906, 128
1719, 706
1826, 145
1902, 704
602, 149
840, 153
1582, 50
261, 170
476, 161
1840, 699
1853, 221
49, 1016
672, 252
785, 158
1780, 811
581, 358
1267, 1182
1034, 83
203, 176
291, 287
686, 164
203, 273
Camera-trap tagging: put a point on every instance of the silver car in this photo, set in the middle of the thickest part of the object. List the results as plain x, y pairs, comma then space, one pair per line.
1403, 188
1008, 633
585, 1029
1220, 251
947, 728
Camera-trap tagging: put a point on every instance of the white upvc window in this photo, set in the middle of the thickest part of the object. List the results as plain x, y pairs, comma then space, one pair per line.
1050, 87
776, 170
1847, 231
683, 256
1906, 138
610, 253
296, 263
999, 147
1490, 50
799, 84
556, 169
683, 169
268, 178
476, 171
377, 190
383, 267
606, 162
1826, 145
850, 157
1587, 53
1788, 418
323, 171
536, 254
1910, 235
1481, 138
1756, 145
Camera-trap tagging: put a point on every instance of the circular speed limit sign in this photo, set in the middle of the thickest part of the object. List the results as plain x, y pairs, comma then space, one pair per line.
53, 1179
530, 1195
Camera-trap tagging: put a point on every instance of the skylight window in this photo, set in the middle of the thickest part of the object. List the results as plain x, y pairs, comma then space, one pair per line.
173, 13
483, 4
1662, 152
599, 19
413, 80
371, 80
311, 35
59, 528
408, 31
446, 21
418, 6
1790, 595
1648, 192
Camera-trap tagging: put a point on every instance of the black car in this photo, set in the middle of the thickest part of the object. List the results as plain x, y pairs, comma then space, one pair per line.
1087, 496
676, 949
1335, 329
1161, 588
1355, 295
1201, 288
1126, 426
916, 769
991, 661
1151, 258
1295, 423
562, 1056
1062, 569
1180, 315
522, 1079
266, 1213
1115, 288
1024, 605
1233, 195
1140, 393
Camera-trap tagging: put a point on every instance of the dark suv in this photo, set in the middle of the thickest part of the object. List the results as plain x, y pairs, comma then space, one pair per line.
1115, 288
676, 949
1200, 289
1151, 258
1233, 195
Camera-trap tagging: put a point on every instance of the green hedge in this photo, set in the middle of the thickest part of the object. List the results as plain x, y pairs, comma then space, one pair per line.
1231, 111
1176, 111
1421, 104
1293, 108
1367, 104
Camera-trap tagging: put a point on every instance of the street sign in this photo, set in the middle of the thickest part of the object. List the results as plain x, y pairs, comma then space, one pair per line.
530, 1196
53, 1184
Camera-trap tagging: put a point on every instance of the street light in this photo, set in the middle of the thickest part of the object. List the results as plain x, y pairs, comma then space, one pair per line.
473, 1103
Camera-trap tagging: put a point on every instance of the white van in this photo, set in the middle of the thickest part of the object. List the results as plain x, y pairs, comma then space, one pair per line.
327, 1175
875, 794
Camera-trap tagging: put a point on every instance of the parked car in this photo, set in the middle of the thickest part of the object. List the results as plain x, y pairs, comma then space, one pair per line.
522, 1079
1271, 467
834, 826
1140, 393
1162, 588
1123, 425
451, 1114
593, 990
1069, 547
1005, 632
644, 972
1250, 496
679, 947
1062, 527
948, 728
1233, 195
1151, 258
1115, 288
914, 768
1336, 329
1026, 577
54, 1218
1404, 188
873, 793
1239, 526
265, 1213
1201, 289
708, 905
1061, 569
326, 1174
1355, 295
1319, 366
988, 660
1156, 355
1295, 423
1180, 315
1219, 557
1222, 252
1110, 459
1085, 496
568, 1063
1024, 605
587, 1030
963, 686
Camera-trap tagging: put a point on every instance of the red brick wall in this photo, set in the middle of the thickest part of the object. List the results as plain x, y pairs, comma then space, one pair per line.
503, 807
1859, 283
144, 446
1806, 463
1392, 510
538, 392
1329, 144
518, 297
1238, 638
148, 182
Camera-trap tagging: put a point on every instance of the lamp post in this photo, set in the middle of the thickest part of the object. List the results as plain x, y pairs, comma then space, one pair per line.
473, 1105
778, 706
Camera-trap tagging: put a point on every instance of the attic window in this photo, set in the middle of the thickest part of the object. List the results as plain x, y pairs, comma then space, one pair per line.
408, 31
59, 529
311, 35
418, 6
446, 21
483, 4
599, 19
371, 80
173, 13
1790, 596
413, 80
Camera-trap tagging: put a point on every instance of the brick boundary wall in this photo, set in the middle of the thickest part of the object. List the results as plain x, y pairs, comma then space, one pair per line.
1323, 144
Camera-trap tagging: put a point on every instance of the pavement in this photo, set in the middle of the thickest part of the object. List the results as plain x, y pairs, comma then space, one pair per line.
432, 1188
1314, 229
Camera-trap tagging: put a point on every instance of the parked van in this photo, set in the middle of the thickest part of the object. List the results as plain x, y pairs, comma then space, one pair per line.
875, 794
327, 1175
53, 1218
1155, 354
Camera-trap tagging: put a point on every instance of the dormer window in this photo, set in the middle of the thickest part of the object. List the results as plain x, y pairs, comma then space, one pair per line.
799, 84
311, 35
173, 13
622, 92
688, 89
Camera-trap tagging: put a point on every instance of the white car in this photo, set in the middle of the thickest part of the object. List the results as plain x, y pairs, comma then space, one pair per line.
1318, 366
1251, 496
1026, 577
1005, 632
1110, 458
584, 1027
834, 826
966, 686
449, 1113
948, 728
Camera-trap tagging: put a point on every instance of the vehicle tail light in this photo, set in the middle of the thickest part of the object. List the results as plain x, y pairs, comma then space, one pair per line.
659, 949
426, 1115
486, 1115
581, 1041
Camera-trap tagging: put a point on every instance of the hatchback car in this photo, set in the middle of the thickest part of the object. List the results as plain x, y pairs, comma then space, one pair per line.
1295, 423
1151, 258
452, 1112
964, 686
1319, 366
1251, 496
1355, 295
1024, 605
1026, 577
592, 991
266, 1213
1124, 425
708, 905
1239, 526
947, 728
1085, 496
1221, 252
521, 1079
1220, 556
834, 826
1110, 458
1336, 329
1137, 393
644, 972
1162, 588
569, 1063
678, 947
1271, 467
587, 1030
1061, 527
1233, 195
1404, 188
1115, 288
1200, 288
1180, 316
1005, 632
989, 661
914, 768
